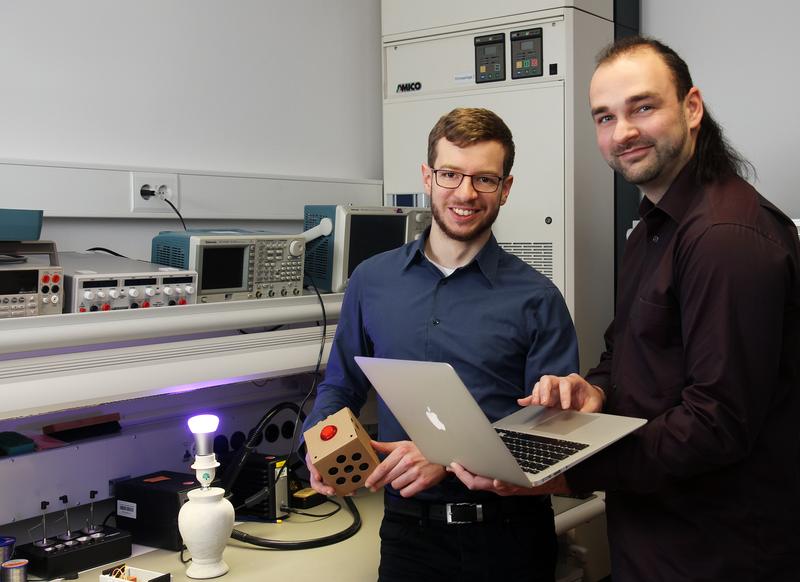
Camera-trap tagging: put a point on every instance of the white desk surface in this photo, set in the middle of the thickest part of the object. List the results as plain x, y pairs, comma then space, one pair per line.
353, 560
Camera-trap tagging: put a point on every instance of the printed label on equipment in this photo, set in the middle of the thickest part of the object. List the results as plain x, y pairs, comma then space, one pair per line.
126, 509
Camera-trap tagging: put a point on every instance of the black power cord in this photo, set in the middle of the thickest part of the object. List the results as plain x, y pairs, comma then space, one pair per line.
338, 505
176, 212
109, 251
238, 462
230, 479
305, 544
149, 193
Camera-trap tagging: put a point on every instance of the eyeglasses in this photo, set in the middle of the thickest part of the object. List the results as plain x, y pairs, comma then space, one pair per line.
485, 183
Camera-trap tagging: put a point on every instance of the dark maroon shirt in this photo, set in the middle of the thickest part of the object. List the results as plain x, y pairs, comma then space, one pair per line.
705, 345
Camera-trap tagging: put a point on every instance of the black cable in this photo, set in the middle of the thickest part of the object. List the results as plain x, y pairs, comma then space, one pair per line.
235, 467
109, 516
230, 477
109, 251
316, 370
306, 544
165, 199
13, 259
348, 532
338, 505
181, 558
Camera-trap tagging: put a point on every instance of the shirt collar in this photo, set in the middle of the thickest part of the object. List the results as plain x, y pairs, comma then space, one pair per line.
486, 260
676, 200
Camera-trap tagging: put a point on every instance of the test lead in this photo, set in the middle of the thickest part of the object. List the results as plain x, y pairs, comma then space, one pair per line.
91, 528
44, 542
67, 536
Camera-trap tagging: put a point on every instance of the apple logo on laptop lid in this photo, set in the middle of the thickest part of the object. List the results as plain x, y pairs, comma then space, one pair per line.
434, 418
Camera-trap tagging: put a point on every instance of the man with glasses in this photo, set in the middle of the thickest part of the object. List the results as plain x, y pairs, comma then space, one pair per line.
454, 296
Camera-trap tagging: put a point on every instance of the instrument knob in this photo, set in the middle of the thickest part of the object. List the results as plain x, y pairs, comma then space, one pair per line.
296, 248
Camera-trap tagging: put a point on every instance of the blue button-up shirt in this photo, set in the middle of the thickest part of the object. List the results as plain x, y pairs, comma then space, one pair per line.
497, 321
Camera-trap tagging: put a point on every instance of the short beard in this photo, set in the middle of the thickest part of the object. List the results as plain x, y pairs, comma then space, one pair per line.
650, 173
485, 225
665, 154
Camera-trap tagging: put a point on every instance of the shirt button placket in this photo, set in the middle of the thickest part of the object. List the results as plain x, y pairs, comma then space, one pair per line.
442, 282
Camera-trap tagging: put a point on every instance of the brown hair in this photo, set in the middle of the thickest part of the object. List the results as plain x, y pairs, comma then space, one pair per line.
468, 125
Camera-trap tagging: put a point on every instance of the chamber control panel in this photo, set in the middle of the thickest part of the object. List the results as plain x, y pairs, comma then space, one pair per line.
490, 58
526, 53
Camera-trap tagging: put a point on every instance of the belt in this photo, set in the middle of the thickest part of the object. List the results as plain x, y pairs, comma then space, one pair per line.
492, 510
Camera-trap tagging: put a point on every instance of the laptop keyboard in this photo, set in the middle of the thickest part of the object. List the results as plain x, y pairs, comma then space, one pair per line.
536, 453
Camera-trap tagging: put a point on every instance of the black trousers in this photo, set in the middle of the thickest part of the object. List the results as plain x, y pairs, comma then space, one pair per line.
515, 547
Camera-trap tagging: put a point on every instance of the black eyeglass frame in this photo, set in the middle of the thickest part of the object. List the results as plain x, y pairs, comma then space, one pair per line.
472, 177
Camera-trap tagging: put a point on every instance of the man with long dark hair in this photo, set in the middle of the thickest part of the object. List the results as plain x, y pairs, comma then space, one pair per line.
705, 344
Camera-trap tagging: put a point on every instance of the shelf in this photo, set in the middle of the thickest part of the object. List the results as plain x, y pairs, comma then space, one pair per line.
58, 362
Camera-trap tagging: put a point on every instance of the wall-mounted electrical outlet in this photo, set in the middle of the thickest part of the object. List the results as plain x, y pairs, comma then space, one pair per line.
148, 192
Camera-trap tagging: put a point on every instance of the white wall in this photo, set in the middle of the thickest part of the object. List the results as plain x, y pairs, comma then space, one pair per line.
245, 86
741, 55
240, 88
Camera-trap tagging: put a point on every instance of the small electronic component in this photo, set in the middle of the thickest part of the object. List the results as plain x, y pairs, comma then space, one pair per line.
306, 498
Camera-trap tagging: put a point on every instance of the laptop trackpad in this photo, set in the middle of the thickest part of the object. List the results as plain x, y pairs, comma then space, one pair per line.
564, 423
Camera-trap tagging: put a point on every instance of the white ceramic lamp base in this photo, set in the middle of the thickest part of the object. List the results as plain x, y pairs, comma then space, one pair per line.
205, 523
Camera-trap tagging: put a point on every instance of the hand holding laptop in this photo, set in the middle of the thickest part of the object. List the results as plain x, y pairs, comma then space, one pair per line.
528, 447
552, 391
557, 485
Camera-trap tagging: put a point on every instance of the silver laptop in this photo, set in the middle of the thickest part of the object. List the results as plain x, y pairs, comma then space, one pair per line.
525, 448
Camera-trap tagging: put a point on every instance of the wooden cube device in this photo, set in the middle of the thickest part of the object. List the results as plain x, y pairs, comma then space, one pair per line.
339, 448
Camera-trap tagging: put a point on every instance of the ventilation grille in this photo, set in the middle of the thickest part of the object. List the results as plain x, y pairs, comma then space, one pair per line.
317, 259
171, 256
538, 255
